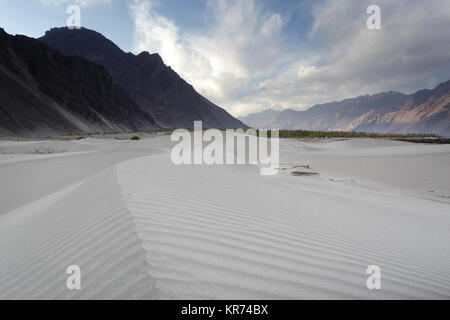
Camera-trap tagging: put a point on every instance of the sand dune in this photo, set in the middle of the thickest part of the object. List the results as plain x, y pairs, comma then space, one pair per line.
207, 236
142, 228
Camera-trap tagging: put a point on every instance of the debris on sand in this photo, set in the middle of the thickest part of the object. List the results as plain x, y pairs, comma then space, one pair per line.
298, 169
304, 173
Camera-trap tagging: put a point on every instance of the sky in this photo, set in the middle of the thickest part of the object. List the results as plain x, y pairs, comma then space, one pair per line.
250, 55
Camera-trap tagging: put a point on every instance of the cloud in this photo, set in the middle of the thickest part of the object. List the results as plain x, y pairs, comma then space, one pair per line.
241, 47
409, 53
82, 3
243, 61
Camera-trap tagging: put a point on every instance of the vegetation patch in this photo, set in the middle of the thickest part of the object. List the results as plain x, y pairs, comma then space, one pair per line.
43, 151
340, 134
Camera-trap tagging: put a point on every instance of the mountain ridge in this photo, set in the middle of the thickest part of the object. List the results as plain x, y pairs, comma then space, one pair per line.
425, 111
155, 87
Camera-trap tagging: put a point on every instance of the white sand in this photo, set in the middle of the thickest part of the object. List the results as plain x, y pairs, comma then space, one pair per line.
140, 227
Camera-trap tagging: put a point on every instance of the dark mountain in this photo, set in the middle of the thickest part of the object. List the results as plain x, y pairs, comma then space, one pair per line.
44, 92
260, 119
156, 88
426, 111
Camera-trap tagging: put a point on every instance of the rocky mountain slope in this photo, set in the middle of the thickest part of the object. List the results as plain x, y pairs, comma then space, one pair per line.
43, 92
155, 87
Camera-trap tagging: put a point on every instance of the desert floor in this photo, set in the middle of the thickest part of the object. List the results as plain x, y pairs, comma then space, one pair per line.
141, 227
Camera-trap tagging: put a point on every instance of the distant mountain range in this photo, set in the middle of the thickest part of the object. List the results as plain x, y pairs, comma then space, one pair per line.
259, 119
426, 111
155, 88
